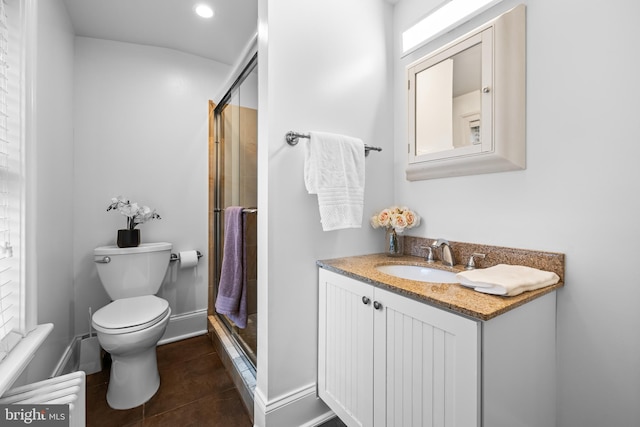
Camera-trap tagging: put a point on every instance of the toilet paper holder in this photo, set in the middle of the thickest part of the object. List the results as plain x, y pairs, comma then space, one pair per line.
176, 257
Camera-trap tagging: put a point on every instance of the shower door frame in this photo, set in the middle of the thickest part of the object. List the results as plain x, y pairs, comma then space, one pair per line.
216, 208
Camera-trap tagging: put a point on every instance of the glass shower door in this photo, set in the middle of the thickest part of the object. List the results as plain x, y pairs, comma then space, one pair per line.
236, 123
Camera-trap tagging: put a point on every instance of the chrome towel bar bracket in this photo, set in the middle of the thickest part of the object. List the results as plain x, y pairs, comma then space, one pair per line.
294, 137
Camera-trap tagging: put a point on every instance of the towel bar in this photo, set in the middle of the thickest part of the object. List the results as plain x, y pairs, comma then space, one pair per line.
293, 138
244, 211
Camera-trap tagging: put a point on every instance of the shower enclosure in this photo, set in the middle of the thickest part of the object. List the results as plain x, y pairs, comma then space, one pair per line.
233, 182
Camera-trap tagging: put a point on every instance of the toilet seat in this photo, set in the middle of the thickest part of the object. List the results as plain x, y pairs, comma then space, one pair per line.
130, 314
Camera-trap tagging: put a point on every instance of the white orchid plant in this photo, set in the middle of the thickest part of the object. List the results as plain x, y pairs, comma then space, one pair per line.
135, 213
396, 217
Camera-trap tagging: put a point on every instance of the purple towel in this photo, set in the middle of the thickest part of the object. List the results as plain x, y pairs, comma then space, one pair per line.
232, 292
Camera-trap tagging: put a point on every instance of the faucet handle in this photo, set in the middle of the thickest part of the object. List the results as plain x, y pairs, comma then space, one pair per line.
429, 256
471, 264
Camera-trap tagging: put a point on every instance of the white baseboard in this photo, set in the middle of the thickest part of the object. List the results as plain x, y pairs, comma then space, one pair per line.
82, 354
183, 326
70, 359
301, 407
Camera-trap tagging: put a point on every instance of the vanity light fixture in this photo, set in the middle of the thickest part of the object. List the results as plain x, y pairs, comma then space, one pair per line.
447, 16
203, 10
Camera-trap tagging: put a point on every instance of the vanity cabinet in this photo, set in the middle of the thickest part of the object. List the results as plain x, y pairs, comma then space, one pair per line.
388, 360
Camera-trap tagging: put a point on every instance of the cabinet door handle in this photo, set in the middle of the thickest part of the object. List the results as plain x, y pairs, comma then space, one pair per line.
377, 305
366, 300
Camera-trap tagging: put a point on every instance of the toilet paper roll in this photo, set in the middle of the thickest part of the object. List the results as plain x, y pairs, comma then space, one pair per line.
188, 259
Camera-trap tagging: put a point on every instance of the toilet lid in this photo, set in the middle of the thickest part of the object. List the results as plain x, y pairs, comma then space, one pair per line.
128, 312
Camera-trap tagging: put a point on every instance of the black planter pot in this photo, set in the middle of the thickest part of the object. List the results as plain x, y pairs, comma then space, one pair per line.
128, 238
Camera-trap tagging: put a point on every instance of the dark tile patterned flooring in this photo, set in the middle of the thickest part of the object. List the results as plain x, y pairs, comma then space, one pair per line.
195, 390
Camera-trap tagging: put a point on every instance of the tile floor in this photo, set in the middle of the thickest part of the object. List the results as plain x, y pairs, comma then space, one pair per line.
195, 390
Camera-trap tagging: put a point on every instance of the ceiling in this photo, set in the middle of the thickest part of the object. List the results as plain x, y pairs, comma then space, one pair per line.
170, 24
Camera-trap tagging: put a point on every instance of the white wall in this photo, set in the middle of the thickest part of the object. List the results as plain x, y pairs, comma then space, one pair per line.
325, 67
50, 163
578, 194
141, 131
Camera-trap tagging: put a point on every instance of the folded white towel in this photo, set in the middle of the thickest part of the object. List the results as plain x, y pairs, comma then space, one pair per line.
334, 170
510, 280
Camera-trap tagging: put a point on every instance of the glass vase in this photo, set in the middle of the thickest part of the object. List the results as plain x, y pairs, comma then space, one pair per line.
394, 243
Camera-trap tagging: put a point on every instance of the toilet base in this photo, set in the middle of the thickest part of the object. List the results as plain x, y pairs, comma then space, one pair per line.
134, 379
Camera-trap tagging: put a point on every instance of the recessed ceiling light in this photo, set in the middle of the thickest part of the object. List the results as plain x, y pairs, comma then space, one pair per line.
204, 11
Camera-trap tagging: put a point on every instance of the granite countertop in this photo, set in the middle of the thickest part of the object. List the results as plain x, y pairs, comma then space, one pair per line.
450, 296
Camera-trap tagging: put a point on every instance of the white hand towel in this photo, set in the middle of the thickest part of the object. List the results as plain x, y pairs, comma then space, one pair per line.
334, 170
509, 280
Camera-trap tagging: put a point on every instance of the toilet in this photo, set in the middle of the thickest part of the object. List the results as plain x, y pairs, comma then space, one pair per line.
130, 327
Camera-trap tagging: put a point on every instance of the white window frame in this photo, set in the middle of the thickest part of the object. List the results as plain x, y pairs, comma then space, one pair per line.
29, 334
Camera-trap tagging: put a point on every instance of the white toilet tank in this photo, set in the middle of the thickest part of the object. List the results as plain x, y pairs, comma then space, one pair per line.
132, 272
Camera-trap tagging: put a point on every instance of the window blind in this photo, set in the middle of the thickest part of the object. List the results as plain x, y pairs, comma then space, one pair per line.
9, 277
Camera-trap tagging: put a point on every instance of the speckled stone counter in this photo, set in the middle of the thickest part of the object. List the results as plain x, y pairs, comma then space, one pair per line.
453, 297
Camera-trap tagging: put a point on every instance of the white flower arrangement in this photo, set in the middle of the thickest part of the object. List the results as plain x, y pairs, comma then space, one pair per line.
395, 217
135, 214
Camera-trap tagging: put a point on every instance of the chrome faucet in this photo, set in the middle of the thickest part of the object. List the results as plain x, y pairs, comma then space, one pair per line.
446, 256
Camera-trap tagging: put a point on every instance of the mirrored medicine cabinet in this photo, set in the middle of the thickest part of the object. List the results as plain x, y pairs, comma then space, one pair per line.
467, 103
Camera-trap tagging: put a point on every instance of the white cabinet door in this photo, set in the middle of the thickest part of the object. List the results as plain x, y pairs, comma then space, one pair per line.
426, 365
389, 361
345, 348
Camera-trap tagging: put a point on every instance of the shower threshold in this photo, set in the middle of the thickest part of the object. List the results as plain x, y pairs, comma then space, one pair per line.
235, 360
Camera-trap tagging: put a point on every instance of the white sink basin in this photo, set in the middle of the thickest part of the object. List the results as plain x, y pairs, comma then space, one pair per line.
421, 274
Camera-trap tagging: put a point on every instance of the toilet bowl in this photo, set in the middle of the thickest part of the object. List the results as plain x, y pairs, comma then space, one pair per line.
130, 327
134, 377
